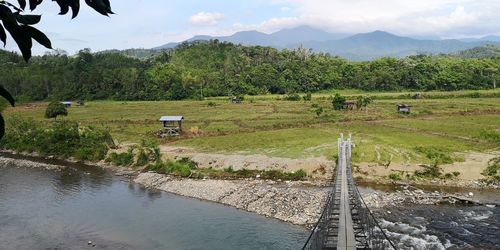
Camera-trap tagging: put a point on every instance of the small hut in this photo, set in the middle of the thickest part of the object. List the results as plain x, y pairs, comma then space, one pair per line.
235, 100
348, 105
172, 125
67, 104
403, 108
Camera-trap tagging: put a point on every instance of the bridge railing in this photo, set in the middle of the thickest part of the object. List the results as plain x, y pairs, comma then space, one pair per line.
374, 237
317, 238
371, 235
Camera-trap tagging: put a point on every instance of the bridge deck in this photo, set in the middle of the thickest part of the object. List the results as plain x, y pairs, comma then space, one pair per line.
346, 239
346, 222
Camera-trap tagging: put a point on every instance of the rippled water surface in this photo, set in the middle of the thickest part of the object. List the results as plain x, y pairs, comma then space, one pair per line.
42, 209
443, 226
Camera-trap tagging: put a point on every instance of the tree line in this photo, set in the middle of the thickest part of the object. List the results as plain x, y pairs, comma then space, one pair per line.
213, 68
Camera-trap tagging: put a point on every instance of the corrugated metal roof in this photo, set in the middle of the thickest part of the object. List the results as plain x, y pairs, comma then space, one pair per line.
171, 118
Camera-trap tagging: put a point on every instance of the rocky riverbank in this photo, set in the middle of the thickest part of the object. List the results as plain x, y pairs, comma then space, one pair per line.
289, 201
5, 161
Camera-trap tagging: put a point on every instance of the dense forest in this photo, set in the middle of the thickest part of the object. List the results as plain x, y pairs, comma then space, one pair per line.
202, 69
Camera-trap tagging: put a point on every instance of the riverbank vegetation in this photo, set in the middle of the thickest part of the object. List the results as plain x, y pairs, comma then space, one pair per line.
57, 139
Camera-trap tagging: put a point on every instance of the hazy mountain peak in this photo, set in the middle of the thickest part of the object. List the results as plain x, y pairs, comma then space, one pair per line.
363, 46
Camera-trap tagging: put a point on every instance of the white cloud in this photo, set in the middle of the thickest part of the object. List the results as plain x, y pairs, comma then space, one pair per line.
285, 9
206, 18
406, 17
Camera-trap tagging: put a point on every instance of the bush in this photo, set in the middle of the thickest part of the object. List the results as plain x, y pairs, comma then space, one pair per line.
395, 176
192, 164
297, 175
61, 139
55, 109
142, 158
493, 168
121, 159
363, 101
429, 172
436, 155
338, 101
317, 109
292, 97
307, 97
171, 167
489, 135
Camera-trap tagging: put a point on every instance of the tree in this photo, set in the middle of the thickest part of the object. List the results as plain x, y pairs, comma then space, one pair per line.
20, 29
317, 109
55, 109
338, 102
363, 101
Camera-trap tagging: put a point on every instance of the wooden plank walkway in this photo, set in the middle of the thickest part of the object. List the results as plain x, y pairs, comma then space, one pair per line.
346, 238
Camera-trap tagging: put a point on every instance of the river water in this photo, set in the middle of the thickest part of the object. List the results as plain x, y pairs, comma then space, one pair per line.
66, 209
41, 209
442, 226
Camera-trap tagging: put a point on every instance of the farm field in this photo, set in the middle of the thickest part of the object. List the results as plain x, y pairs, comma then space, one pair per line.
268, 126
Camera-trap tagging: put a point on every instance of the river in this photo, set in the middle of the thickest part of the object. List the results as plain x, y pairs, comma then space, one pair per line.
42, 209
442, 226
66, 209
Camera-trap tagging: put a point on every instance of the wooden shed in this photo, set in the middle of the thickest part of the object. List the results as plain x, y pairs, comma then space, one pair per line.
348, 105
403, 108
67, 104
235, 99
172, 125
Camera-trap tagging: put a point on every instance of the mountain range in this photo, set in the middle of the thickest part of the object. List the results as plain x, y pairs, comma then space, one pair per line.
358, 47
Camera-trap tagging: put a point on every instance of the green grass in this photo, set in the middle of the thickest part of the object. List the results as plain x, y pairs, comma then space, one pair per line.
265, 125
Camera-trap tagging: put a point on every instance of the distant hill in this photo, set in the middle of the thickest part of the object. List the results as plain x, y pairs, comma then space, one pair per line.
359, 47
487, 51
377, 44
482, 39
279, 39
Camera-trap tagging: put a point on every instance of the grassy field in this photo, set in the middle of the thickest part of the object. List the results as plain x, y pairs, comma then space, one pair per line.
266, 125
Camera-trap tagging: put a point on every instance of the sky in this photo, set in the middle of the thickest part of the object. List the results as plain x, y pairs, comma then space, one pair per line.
151, 23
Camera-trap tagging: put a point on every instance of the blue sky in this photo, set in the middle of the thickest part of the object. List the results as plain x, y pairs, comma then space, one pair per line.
150, 23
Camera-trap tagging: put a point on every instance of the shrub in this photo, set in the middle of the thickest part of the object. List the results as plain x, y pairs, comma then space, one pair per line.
187, 161
489, 135
363, 101
292, 97
171, 167
436, 155
395, 176
121, 159
297, 175
338, 101
307, 97
431, 172
448, 176
142, 158
55, 109
493, 168
317, 109
61, 139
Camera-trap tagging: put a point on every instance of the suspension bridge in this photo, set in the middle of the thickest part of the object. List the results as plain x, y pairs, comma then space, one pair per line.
346, 222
